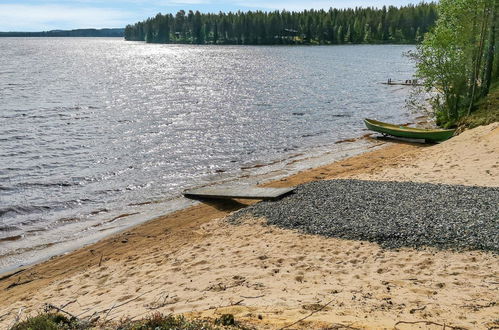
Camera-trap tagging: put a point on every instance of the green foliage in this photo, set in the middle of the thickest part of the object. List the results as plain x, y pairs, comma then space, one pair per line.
456, 57
335, 26
487, 111
48, 321
156, 321
162, 322
226, 319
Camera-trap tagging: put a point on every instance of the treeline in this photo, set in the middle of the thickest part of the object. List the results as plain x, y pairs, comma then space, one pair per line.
460, 57
68, 33
335, 26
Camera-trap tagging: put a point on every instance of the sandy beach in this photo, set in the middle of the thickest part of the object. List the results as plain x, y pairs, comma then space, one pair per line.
194, 262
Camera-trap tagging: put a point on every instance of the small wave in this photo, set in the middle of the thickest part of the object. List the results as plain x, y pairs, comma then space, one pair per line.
35, 230
67, 220
346, 140
39, 247
20, 137
122, 216
22, 209
145, 203
11, 238
312, 134
4, 228
4, 188
259, 165
47, 184
99, 211
76, 107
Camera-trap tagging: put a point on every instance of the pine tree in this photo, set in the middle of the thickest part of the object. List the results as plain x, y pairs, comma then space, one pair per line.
335, 26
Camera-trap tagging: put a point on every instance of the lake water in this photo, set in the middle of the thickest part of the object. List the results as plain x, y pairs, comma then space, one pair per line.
94, 128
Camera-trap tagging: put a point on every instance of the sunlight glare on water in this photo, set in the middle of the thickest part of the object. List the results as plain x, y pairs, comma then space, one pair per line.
90, 128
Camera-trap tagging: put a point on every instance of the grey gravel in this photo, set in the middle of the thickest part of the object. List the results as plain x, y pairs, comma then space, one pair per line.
393, 214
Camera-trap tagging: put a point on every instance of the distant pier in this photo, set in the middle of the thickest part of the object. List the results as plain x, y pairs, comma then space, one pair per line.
408, 82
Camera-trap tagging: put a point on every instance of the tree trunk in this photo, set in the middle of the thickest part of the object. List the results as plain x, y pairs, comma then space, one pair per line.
491, 51
473, 53
479, 56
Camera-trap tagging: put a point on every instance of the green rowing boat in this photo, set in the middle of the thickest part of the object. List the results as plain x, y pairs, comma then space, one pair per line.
409, 132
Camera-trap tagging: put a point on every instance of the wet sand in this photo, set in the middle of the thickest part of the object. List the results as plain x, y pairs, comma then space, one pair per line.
194, 262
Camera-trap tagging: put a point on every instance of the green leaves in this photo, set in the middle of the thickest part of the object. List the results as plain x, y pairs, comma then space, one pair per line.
451, 57
360, 25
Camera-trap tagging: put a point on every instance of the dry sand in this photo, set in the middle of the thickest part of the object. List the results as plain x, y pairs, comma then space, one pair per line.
471, 158
193, 262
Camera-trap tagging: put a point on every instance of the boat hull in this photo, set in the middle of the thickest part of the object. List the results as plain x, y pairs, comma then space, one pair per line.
432, 135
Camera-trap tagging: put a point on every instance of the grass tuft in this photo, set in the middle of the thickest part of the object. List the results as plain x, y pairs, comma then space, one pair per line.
156, 321
487, 111
165, 322
48, 321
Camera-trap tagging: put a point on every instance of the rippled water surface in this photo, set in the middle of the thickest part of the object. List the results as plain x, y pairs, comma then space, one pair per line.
92, 128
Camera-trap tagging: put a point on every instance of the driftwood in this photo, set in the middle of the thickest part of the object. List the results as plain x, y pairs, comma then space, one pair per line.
443, 325
17, 318
14, 284
231, 304
68, 303
48, 307
3, 315
478, 307
11, 274
85, 311
254, 297
160, 302
306, 317
126, 302
100, 260
237, 302
108, 310
414, 310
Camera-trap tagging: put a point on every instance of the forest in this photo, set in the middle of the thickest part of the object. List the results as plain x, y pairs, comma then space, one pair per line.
406, 24
459, 58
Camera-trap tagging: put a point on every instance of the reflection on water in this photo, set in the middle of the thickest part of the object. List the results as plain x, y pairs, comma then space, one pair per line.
94, 128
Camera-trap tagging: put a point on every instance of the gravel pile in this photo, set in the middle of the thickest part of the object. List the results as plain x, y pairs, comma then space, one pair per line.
393, 214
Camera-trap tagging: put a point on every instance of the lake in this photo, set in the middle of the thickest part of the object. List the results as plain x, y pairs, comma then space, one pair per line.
92, 129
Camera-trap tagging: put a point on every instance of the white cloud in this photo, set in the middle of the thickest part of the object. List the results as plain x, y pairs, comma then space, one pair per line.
15, 17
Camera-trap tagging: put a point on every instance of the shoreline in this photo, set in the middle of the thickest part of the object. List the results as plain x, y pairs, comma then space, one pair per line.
51, 204
256, 174
214, 209
196, 243
301, 175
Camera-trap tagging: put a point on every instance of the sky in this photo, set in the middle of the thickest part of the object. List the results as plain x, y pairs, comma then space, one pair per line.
37, 15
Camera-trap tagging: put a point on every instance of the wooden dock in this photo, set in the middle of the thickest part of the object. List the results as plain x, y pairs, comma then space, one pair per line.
237, 192
401, 84
408, 82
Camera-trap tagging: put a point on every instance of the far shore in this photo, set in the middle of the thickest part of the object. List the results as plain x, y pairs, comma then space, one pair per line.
195, 263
